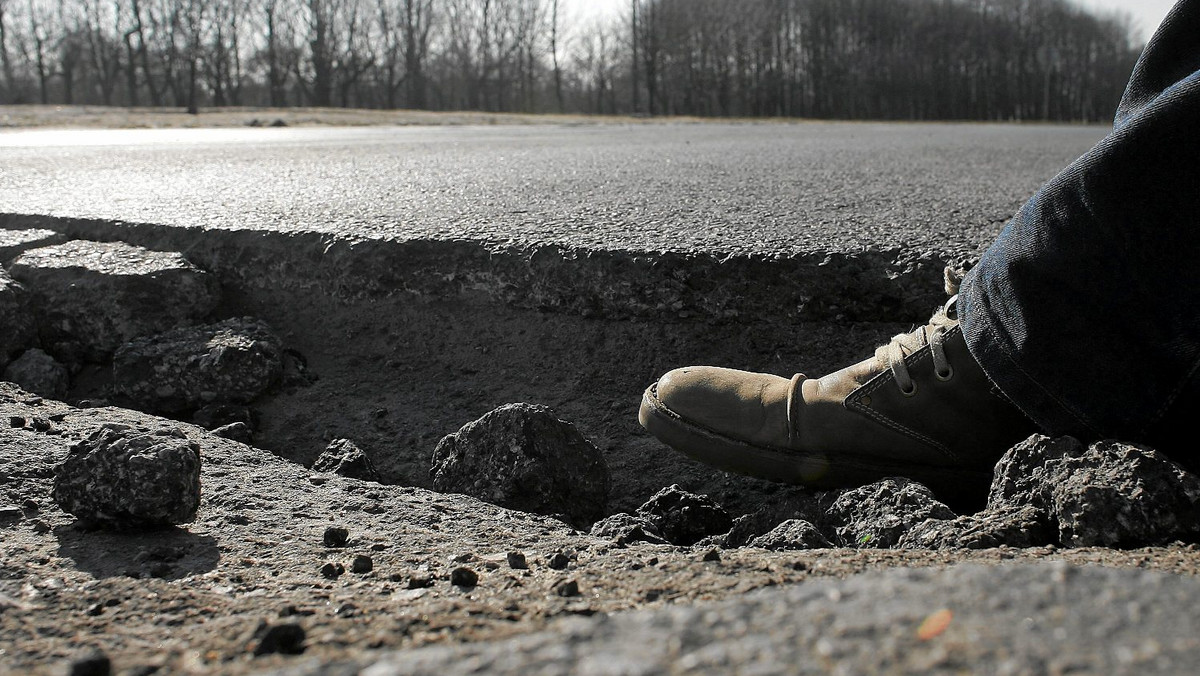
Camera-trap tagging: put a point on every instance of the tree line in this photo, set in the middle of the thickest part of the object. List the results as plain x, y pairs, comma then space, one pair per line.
863, 59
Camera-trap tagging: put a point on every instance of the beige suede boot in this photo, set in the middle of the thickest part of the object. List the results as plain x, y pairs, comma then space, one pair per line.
921, 408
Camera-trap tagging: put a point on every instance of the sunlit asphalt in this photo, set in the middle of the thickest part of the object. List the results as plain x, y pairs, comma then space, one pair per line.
718, 187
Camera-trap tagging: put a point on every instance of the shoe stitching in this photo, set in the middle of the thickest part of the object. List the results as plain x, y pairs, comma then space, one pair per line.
853, 400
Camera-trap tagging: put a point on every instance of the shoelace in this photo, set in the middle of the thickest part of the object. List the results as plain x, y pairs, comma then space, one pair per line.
904, 344
932, 334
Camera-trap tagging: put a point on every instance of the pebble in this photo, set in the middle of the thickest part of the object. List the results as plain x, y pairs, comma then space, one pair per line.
516, 561
237, 431
558, 561
332, 570
567, 588
420, 581
362, 564
11, 513
336, 536
464, 577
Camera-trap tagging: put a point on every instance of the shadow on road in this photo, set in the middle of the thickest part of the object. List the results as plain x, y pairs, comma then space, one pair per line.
169, 553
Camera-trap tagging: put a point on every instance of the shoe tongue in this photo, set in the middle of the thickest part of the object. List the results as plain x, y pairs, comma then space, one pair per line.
913, 340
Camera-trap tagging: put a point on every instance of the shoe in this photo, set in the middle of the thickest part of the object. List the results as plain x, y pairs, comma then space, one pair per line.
921, 408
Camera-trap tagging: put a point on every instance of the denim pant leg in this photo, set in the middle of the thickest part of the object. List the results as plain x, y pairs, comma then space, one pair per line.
1085, 311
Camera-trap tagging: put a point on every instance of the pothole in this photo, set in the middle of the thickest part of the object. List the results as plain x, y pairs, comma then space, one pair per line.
394, 370
383, 363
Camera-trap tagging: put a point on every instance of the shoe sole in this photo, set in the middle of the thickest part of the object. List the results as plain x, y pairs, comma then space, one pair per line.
790, 466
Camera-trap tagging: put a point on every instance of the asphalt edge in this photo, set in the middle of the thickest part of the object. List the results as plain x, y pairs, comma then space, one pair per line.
871, 285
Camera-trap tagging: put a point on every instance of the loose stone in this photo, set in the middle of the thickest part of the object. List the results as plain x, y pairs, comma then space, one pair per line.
335, 536
793, 534
237, 431
626, 528
464, 577
344, 458
521, 456
35, 371
362, 564
684, 518
516, 561
567, 588
125, 477
875, 516
1107, 494
224, 364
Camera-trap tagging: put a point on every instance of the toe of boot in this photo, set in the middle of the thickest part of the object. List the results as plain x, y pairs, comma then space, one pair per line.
741, 405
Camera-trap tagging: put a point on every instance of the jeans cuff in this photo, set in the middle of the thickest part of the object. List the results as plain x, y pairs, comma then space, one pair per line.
992, 348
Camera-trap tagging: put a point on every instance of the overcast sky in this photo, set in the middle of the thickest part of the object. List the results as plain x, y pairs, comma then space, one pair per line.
1146, 13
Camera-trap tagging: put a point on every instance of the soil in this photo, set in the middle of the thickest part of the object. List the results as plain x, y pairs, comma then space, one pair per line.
192, 599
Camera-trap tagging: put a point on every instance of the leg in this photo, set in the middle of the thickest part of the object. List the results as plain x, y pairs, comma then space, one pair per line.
1081, 314
1085, 309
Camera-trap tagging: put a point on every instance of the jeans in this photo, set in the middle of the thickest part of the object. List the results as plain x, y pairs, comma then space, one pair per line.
1085, 311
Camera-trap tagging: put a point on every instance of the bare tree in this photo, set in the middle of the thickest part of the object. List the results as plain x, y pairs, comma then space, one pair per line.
885, 59
8, 93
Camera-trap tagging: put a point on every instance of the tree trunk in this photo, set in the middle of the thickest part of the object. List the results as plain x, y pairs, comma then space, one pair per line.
558, 90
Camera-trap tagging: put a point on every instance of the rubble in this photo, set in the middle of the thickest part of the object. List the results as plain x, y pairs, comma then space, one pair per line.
627, 528
875, 516
684, 518
238, 431
793, 502
522, 457
343, 458
1107, 494
125, 477
1007, 526
93, 296
37, 372
227, 363
792, 534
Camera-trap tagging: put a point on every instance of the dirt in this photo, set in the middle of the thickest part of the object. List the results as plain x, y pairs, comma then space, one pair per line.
191, 599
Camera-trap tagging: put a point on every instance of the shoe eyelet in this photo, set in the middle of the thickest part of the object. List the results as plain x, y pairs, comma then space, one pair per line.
944, 377
910, 392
